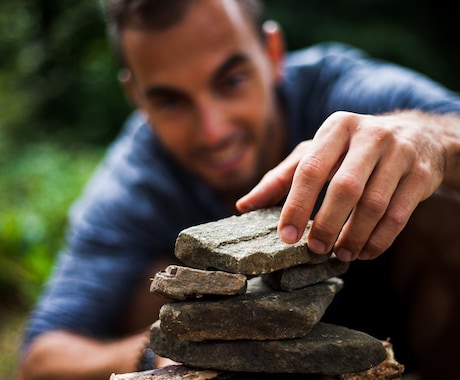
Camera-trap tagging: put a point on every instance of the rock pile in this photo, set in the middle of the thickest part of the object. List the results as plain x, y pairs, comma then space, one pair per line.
268, 324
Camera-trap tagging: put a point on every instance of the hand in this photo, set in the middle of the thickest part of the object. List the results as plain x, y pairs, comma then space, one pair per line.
378, 168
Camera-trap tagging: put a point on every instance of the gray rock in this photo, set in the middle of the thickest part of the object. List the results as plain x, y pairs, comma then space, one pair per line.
247, 244
179, 283
327, 349
260, 314
303, 275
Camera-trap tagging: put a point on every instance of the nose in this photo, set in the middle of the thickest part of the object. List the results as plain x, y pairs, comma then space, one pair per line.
211, 122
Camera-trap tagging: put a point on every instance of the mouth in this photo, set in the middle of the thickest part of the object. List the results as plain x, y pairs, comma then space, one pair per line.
226, 158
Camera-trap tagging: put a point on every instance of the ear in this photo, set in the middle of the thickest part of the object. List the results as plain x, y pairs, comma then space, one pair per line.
275, 47
128, 84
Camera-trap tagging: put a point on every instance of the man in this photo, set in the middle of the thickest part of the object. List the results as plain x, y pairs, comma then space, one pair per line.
220, 109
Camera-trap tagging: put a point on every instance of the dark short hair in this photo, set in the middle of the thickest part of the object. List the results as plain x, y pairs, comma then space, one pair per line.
162, 14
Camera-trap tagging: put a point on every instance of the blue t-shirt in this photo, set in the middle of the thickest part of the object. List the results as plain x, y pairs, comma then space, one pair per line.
139, 199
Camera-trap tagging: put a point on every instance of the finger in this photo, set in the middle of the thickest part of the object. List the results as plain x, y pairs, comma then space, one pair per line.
313, 171
402, 205
274, 185
412, 180
343, 194
370, 209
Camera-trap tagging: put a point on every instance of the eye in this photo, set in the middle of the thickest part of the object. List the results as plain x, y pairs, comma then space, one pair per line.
167, 102
233, 82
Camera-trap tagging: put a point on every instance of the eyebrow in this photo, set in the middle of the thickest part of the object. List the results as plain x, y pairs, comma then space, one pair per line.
232, 61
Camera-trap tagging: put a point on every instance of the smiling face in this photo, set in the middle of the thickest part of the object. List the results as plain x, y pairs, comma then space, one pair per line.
207, 87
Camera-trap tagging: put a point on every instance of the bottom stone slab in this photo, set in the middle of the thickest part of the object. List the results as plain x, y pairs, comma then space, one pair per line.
389, 369
327, 349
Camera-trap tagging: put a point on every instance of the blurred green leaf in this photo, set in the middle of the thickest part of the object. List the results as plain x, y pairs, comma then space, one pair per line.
38, 182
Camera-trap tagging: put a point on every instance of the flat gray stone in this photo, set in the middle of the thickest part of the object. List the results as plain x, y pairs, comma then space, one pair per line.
260, 314
247, 244
327, 349
179, 283
306, 274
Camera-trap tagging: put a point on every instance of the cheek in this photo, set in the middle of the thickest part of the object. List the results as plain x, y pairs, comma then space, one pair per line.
261, 112
177, 141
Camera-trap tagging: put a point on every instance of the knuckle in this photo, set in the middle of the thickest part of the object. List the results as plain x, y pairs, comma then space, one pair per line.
383, 137
396, 218
421, 174
310, 168
338, 120
374, 204
323, 230
346, 186
296, 206
342, 117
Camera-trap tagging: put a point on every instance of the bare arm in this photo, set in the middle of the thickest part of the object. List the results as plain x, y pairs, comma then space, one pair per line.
379, 167
62, 355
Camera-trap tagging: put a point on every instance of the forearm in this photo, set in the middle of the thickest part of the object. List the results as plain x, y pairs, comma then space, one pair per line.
62, 355
450, 135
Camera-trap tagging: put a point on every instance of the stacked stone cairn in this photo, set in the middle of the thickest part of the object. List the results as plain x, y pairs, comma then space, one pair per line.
268, 326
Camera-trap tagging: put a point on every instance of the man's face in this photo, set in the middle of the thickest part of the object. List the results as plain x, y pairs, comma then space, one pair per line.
207, 86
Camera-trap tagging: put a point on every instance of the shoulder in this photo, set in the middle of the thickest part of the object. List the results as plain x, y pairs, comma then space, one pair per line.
340, 77
310, 73
318, 53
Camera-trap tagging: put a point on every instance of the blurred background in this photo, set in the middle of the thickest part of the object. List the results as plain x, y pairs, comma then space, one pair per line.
60, 105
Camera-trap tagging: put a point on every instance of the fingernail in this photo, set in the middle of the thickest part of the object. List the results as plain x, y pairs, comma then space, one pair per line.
344, 254
288, 234
317, 246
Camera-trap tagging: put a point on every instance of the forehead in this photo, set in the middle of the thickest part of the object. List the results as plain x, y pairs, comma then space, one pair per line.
211, 31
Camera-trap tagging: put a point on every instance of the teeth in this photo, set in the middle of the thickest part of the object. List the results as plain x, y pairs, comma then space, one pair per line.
225, 156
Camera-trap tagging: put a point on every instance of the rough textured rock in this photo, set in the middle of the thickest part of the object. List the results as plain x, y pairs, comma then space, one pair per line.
247, 244
306, 274
177, 372
389, 369
260, 314
327, 349
179, 283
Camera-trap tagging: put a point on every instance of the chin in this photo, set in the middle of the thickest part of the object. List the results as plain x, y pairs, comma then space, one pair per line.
234, 187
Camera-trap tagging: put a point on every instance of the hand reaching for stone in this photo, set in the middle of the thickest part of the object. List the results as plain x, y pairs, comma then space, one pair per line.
378, 169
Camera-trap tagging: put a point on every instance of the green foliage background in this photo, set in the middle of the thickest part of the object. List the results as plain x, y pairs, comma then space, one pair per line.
60, 103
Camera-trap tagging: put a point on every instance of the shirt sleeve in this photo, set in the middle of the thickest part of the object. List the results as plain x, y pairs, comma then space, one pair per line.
375, 87
335, 77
